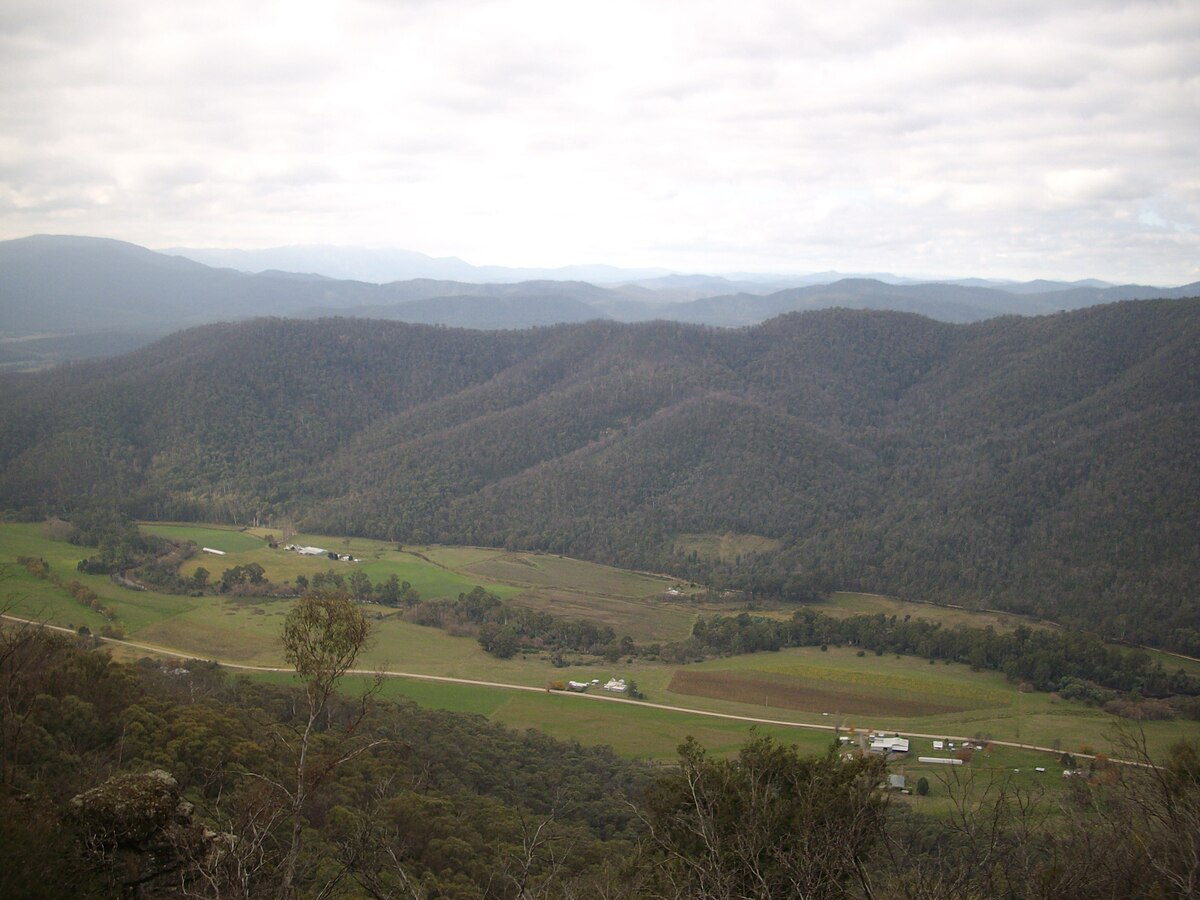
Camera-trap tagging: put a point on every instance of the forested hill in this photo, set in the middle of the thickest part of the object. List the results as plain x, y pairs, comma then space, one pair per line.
1048, 465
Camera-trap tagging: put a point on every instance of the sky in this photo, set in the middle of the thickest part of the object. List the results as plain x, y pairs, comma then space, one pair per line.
935, 139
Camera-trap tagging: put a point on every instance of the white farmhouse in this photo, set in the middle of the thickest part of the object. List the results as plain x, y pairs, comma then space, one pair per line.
889, 745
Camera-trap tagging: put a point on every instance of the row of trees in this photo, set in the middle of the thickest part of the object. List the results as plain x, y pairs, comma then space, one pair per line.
503, 629
1076, 664
1048, 659
79, 592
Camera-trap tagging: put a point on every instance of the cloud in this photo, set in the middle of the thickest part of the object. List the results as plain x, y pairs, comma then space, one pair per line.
769, 135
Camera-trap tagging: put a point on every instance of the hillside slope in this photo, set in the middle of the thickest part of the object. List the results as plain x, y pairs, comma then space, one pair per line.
1041, 464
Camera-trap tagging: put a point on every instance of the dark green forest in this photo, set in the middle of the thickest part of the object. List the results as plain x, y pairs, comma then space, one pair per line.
170, 779
1042, 465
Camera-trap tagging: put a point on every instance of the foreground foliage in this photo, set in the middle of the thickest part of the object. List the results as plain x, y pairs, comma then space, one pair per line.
769, 823
136, 780
447, 805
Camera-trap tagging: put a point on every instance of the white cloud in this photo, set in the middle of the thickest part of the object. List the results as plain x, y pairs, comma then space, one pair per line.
1032, 139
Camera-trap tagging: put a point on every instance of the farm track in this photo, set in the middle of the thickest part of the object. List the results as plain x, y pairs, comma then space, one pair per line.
641, 704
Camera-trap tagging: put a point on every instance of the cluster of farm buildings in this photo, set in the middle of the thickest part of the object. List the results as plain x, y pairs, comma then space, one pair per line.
894, 746
616, 685
318, 551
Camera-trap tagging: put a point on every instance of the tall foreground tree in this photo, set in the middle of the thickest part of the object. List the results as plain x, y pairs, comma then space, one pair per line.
769, 823
322, 637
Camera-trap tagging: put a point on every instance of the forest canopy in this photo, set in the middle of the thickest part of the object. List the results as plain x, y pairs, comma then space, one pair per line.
1040, 465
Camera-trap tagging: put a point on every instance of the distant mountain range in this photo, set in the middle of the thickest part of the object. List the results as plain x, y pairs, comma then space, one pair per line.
71, 297
384, 265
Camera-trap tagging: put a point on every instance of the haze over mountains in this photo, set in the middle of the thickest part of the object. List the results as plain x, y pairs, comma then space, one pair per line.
74, 297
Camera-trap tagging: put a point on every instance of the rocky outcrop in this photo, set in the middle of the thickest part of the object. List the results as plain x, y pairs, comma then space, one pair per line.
141, 830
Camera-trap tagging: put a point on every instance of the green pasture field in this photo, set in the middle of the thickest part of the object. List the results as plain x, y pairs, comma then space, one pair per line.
982, 776
641, 732
988, 705
41, 599
1173, 662
231, 540
845, 603
725, 547
542, 570
457, 558
379, 559
646, 620
636, 731
632, 730
631, 603
906, 693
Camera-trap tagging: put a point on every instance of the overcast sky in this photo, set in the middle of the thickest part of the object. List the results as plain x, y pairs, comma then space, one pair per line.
1004, 139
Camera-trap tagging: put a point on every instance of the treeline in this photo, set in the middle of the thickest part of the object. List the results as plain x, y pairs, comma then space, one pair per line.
503, 629
358, 585
1047, 659
1042, 465
138, 559
78, 591
1077, 665
124, 548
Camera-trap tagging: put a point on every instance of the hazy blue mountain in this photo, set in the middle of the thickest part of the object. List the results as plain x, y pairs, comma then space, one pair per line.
1039, 286
109, 296
497, 312
57, 285
382, 265
945, 302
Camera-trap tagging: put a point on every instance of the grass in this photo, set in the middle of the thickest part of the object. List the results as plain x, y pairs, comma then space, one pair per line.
833, 687
639, 732
230, 540
776, 690
725, 547
538, 570
845, 603
989, 706
1173, 662
645, 621
41, 599
457, 558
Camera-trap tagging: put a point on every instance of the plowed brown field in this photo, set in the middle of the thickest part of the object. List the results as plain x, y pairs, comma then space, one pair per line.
807, 696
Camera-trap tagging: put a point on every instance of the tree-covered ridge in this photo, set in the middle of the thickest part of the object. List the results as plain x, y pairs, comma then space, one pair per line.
1043, 465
